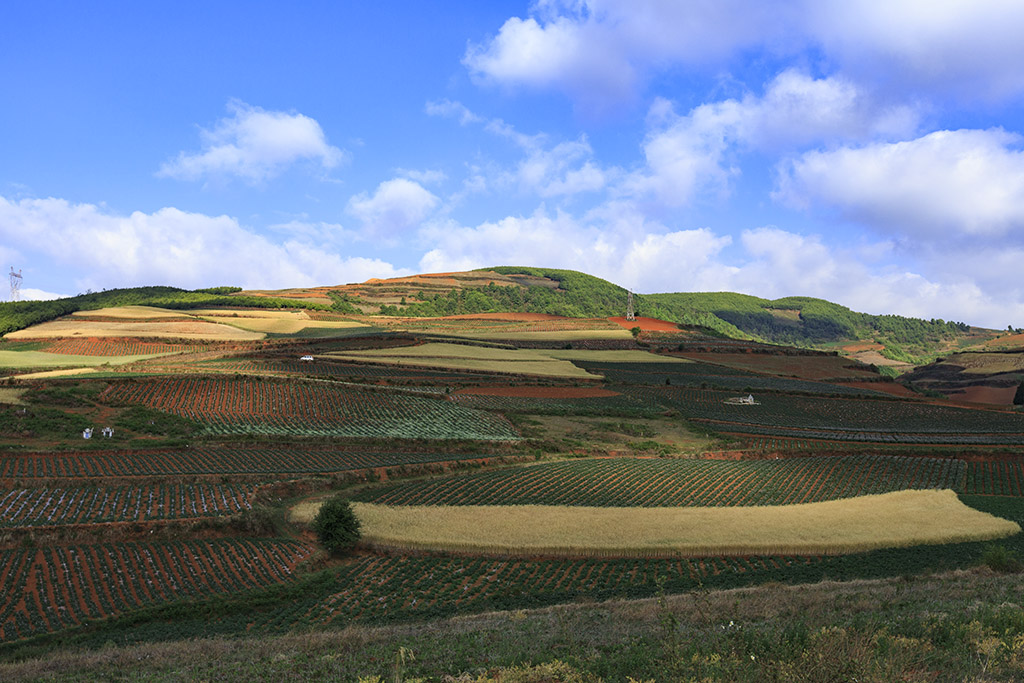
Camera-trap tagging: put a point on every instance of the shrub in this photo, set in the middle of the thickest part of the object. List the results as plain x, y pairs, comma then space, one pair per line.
337, 526
999, 559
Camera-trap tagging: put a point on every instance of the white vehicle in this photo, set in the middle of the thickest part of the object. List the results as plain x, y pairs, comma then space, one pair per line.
306, 358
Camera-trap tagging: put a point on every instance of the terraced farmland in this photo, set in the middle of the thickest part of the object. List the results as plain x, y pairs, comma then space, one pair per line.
48, 589
235, 460
630, 482
247, 406
92, 505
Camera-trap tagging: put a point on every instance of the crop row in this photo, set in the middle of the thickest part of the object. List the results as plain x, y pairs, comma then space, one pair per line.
89, 504
600, 405
210, 460
1001, 478
48, 589
421, 588
115, 347
630, 482
704, 375
248, 406
334, 369
864, 436
829, 413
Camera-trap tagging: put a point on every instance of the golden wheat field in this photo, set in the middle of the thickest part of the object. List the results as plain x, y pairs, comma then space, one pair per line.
186, 329
890, 520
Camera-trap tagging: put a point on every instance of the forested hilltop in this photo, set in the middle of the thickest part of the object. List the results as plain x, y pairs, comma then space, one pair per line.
795, 321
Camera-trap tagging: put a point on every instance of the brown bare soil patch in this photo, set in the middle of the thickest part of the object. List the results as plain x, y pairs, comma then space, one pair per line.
1002, 396
539, 392
646, 324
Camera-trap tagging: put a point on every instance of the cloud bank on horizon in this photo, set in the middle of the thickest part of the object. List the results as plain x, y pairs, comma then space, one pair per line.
867, 153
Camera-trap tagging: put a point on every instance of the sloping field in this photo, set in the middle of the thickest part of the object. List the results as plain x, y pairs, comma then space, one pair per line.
287, 325
549, 335
669, 482
805, 367
132, 312
69, 327
612, 356
275, 322
890, 520
647, 324
41, 359
463, 357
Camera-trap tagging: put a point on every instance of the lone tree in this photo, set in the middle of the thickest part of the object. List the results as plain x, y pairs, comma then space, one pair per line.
336, 525
1018, 398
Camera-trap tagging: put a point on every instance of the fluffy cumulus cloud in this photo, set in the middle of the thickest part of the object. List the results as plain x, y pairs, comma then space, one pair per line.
688, 154
395, 206
601, 51
941, 185
255, 145
626, 252
98, 248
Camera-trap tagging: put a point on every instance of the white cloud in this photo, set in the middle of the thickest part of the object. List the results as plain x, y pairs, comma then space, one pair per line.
396, 206
601, 51
627, 256
33, 294
255, 145
946, 183
686, 155
426, 177
454, 110
969, 48
98, 249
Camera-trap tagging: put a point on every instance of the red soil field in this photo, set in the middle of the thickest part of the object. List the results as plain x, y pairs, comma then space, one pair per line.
863, 346
646, 324
540, 392
1008, 340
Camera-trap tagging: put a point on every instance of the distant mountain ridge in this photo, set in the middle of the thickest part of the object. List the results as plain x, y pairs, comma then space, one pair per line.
795, 321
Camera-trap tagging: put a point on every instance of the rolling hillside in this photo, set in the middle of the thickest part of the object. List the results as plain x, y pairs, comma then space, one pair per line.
795, 321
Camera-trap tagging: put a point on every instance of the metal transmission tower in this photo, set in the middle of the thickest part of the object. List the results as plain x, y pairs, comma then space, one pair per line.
15, 284
630, 315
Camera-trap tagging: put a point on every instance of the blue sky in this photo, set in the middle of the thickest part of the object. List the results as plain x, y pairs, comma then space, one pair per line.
864, 152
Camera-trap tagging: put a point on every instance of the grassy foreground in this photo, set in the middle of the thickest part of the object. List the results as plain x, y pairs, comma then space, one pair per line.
890, 520
966, 625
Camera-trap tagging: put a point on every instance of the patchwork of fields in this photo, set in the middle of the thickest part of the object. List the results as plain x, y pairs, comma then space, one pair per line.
153, 533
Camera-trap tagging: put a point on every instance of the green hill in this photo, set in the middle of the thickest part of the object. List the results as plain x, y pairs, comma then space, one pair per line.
794, 321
